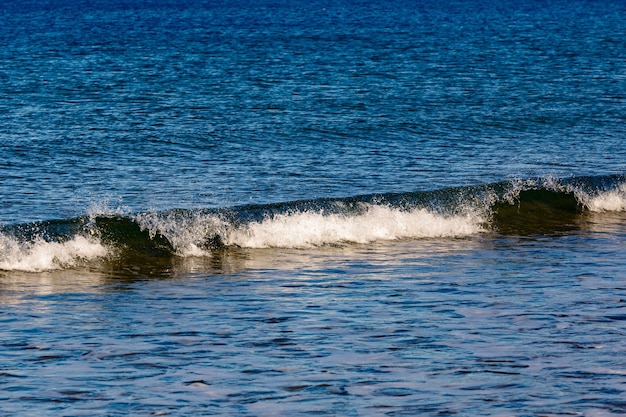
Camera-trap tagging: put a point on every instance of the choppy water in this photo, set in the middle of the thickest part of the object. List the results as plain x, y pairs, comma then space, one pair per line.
295, 208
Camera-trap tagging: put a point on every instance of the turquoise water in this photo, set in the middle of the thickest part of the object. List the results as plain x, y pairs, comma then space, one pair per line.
295, 208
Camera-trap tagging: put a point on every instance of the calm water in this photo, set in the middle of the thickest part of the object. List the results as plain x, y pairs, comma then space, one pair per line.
312, 207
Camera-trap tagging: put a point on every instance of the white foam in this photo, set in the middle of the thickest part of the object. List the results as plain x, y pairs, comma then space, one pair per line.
186, 233
613, 200
309, 229
40, 255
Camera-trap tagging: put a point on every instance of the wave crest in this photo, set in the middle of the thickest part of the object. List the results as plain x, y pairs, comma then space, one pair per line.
309, 229
41, 255
543, 206
612, 200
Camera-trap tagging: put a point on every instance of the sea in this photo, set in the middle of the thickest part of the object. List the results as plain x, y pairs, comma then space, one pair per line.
312, 208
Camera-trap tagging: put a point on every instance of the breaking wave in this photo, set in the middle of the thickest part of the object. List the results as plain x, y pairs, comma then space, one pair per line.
528, 207
41, 255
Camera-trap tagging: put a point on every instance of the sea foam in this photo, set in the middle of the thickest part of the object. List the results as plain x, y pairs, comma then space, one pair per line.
304, 229
612, 200
187, 233
309, 229
40, 255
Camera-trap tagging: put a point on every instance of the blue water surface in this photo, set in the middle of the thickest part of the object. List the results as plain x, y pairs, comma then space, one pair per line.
162, 104
144, 106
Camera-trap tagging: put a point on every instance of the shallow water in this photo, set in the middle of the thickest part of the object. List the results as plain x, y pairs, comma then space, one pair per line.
498, 326
303, 208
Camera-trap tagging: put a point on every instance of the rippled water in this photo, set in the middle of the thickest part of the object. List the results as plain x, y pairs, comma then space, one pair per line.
507, 326
303, 208
158, 104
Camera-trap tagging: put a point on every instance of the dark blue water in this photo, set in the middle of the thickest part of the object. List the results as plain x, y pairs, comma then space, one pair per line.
322, 207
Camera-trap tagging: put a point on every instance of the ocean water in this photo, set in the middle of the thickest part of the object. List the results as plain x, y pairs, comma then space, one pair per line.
290, 208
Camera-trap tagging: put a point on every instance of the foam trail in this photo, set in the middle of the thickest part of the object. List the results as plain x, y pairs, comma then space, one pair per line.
40, 255
309, 229
612, 200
